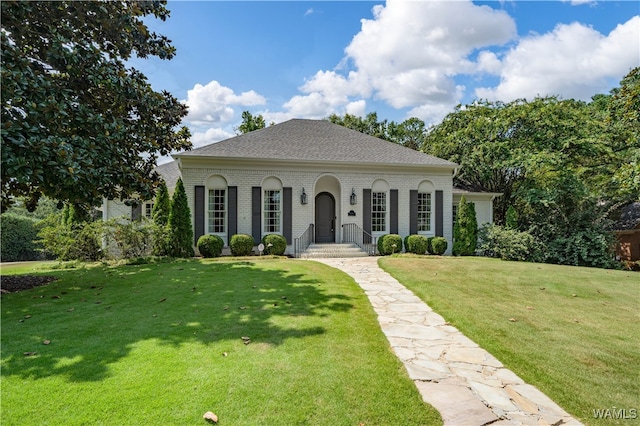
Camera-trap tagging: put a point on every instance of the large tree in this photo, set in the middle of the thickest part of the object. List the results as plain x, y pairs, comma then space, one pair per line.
250, 123
77, 123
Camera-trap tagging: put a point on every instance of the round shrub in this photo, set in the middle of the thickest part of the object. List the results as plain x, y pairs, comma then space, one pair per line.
241, 244
278, 244
429, 248
210, 245
389, 244
416, 244
438, 245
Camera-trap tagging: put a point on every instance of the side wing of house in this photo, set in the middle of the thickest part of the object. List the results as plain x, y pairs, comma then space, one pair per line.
483, 202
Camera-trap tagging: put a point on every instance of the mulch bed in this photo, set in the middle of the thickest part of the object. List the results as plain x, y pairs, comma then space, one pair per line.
15, 283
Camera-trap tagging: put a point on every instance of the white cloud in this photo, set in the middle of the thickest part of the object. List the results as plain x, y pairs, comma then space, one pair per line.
211, 135
309, 12
573, 61
212, 103
357, 108
407, 56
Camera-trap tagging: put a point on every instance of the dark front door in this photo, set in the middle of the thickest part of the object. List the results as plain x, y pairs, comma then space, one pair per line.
325, 218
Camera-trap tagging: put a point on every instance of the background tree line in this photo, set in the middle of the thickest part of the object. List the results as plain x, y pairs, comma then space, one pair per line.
565, 167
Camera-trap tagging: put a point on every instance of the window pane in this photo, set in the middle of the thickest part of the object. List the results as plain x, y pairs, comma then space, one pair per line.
271, 211
378, 211
424, 211
216, 211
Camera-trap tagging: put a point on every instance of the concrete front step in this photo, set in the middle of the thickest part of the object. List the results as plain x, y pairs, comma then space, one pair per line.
333, 250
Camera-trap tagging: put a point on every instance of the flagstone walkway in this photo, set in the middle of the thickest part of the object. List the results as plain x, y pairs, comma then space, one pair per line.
466, 384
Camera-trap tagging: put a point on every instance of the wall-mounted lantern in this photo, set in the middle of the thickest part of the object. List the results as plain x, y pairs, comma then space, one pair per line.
353, 199
303, 197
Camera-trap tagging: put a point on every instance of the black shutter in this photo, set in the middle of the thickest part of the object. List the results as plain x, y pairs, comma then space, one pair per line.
439, 215
366, 213
199, 212
136, 211
413, 212
286, 214
232, 212
256, 209
393, 222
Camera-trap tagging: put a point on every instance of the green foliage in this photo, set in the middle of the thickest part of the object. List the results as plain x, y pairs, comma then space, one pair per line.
78, 125
274, 244
417, 244
511, 219
180, 224
250, 123
45, 207
465, 231
18, 236
438, 246
134, 239
161, 205
210, 245
509, 244
75, 241
389, 244
241, 244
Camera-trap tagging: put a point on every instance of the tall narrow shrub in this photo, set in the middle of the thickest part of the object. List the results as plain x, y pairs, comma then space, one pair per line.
180, 224
465, 231
161, 206
160, 214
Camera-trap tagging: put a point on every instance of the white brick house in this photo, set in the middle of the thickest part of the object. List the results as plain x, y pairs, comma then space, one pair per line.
318, 178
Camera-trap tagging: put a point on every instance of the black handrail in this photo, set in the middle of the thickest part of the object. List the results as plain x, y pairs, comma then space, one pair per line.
303, 241
352, 233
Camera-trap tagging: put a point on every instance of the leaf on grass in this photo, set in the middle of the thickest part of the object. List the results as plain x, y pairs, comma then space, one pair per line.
162, 300
210, 416
30, 353
27, 316
513, 319
46, 342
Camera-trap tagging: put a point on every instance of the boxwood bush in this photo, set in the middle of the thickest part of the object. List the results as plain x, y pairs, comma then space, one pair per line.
278, 244
389, 244
438, 245
210, 245
241, 244
416, 244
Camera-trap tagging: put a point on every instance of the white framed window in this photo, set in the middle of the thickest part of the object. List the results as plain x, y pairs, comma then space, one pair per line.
424, 212
217, 211
454, 210
425, 219
380, 207
216, 208
272, 211
272, 206
148, 210
378, 211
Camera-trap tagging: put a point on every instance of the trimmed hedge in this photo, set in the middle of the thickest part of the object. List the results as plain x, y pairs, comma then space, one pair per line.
438, 246
416, 244
210, 245
19, 234
389, 244
241, 244
278, 244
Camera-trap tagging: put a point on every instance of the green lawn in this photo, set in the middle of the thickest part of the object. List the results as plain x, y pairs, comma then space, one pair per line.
162, 344
572, 332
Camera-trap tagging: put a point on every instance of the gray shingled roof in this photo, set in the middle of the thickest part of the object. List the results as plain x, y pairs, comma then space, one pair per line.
315, 141
629, 217
169, 172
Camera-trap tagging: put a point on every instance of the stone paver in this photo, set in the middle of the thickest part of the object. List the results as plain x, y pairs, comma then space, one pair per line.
466, 384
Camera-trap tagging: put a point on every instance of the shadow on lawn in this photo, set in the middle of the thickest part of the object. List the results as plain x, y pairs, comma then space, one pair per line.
95, 317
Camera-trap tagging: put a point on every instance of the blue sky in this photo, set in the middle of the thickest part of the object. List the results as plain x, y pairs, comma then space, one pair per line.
398, 58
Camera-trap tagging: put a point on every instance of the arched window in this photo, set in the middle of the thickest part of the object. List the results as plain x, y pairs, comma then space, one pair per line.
272, 206
379, 206
217, 205
425, 207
